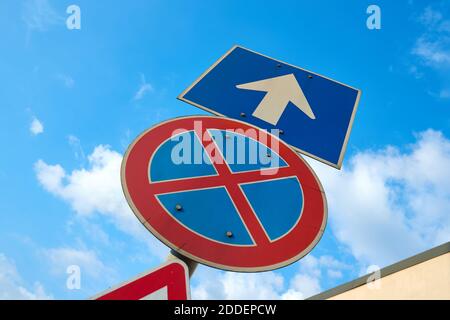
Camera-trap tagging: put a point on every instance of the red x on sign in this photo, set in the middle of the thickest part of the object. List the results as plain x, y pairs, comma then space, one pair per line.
229, 214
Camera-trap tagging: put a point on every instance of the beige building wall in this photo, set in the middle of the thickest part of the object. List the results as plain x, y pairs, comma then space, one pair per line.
427, 280
423, 276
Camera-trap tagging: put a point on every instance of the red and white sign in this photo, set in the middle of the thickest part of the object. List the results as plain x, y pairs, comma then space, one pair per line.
178, 210
170, 281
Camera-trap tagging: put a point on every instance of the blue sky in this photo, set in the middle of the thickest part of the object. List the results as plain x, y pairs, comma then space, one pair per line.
72, 101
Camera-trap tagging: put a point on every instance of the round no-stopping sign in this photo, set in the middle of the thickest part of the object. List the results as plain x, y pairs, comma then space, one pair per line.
224, 193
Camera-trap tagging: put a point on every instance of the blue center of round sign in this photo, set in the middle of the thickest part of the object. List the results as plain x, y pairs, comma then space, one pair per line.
277, 203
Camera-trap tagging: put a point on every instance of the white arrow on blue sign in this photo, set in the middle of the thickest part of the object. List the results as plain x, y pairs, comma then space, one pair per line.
314, 113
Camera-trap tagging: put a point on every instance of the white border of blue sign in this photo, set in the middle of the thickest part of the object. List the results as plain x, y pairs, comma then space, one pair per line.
347, 135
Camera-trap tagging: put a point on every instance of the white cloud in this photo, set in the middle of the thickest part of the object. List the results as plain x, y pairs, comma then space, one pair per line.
94, 275
333, 274
444, 94
413, 70
388, 204
93, 230
434, 51
96, 190
213, 284
39, 15
432, 47
36, 127
11, 284
67, 80
144, 88
312, 271
293, 294
255, 285
78, 150
87, 260
302, 286
430, 17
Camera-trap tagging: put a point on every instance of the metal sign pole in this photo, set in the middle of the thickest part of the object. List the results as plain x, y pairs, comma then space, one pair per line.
191, 264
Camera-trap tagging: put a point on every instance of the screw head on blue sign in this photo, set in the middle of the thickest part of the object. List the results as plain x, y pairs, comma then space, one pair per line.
314, 113
214, 202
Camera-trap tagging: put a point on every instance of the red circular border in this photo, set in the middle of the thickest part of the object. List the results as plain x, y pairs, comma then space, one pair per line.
288, 249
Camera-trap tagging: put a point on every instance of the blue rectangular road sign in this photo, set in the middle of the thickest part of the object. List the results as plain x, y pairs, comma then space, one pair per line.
314, 113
